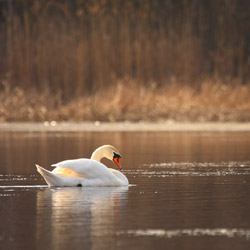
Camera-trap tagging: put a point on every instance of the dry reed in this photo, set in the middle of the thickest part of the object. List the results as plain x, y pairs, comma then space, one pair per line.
130, 102
76, 47
74, 60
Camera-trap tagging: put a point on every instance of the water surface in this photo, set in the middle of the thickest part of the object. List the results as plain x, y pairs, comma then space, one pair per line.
189, 191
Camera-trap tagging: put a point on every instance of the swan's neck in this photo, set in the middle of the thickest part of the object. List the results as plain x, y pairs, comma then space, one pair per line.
98, 154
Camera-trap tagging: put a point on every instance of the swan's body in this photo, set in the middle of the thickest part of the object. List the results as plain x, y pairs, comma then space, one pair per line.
86, 172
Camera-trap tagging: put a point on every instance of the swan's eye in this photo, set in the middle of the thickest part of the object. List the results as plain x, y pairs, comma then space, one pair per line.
116, 156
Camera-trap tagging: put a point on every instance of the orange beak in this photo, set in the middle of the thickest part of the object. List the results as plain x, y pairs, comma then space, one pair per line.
117, 162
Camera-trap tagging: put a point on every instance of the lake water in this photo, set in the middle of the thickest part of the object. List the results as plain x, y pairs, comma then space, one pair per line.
188, 191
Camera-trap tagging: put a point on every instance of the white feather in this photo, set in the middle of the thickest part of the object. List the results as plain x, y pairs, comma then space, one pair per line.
85, 172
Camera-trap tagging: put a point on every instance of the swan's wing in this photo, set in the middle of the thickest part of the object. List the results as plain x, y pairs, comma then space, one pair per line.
54, 179
66, 172
86, 168
122, 178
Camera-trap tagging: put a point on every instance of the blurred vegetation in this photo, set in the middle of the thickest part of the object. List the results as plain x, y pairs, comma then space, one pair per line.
128, 101
67, 49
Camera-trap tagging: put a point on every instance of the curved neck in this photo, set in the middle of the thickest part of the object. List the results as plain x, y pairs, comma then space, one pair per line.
97, 155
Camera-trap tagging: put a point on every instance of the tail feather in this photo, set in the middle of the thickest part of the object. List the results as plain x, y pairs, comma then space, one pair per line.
50, 178
55, 179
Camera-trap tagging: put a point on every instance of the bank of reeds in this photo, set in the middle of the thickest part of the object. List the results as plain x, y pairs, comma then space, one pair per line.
77, 47
132, 102
74, 60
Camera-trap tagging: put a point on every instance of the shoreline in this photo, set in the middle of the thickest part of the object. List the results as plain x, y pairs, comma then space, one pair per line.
97, 126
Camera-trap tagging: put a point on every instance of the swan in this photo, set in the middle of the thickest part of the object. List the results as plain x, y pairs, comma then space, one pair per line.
86, 172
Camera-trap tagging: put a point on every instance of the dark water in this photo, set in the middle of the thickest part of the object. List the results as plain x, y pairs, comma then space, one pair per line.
189, 191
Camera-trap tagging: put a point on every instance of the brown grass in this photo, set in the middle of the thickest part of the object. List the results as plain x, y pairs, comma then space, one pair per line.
133, 102
74, 60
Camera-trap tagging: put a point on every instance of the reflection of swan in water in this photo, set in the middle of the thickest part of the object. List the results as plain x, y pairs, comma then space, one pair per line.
73, 217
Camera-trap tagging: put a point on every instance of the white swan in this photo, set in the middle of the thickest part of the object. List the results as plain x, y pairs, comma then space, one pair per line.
86, 172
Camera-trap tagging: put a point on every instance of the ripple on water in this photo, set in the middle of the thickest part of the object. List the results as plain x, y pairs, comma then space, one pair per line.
16, 180
173, 169
226, 232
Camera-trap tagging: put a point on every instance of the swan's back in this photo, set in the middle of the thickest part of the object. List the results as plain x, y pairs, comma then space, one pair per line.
93, 173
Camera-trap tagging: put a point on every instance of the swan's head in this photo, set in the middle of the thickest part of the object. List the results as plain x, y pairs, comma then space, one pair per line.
116, 159
109, 152
113, 155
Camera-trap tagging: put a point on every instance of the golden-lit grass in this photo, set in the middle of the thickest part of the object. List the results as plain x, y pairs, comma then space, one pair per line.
64, 60
128, 100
